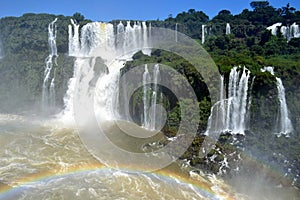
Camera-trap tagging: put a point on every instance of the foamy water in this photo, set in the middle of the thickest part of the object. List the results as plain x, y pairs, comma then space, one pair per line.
41, 160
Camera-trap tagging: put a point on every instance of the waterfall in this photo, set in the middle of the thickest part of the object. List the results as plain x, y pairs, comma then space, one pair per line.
67, 114
274, 28
220, 108
150, 98
135, 35
288, 32
52, 90
268, 69
120, 46
248, 112
228, 31
161, 115
283, 124
98, 40
230, 114
48, 92
146, 99
149, 32
146, 39
237, 104
203, 33
295, 33
217, 118
156, 76
283, 31
222, 105
73, 38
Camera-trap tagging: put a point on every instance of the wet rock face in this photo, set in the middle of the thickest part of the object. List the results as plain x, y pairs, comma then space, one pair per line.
253, 154
221, 160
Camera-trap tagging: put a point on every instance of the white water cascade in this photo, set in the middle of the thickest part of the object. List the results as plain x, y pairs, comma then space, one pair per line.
150, 98
274, 28
294, 30
291, 31
48, 92
99, 49
146, 99
156, 77
146, 38
74, 45
52, 93
237, 95
248, 112
228, 30
288, 32
230, 114
203, 33
283, 125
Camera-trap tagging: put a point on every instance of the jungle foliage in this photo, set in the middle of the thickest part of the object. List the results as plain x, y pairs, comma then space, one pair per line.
24, 41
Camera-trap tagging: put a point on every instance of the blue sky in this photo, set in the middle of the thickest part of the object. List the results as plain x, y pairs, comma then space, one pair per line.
99, 10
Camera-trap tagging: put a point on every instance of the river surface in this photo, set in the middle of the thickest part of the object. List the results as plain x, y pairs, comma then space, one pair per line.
44, 159
41, 159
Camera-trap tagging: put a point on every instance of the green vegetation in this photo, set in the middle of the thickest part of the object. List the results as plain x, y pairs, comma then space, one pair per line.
24, 41
25, 44
249, 44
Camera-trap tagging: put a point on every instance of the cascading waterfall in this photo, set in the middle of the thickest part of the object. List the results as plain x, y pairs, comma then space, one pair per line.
288, 32
283, 29
249, 104
217, 118
98, 40
284, 125
295, 32
237, 100
48, 92
94, 36
120, 36
146, 99
150, 98
228, 30
274, 28
146, 37
203, 28
136, 34
233, 114
291, 31
52, 90
229, 115
216, 121
221, 118
74, 45
268, 69
156, 77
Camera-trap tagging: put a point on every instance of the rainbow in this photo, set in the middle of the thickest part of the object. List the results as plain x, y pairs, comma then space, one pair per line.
204, 186
267, 168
